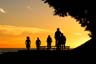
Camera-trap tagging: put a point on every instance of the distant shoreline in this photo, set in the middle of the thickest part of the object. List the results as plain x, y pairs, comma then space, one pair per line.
4, 50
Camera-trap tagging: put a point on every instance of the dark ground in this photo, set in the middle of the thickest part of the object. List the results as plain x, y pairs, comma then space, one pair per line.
81, 55
42, 56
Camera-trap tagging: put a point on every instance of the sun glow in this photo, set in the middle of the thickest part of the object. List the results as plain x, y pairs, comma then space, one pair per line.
34, 18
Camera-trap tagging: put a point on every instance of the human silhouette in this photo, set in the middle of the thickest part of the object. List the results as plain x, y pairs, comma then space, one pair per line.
49, 41
62, 41
28, 42
38, 43
57, 38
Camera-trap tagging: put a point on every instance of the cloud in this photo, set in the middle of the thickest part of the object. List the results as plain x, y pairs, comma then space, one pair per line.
15, 30
2, 10
78, 34
29, 7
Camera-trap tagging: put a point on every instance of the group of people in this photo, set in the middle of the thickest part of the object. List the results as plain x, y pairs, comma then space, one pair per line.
59, 37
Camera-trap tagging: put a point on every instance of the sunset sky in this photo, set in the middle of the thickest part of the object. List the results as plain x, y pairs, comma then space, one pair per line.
21, 18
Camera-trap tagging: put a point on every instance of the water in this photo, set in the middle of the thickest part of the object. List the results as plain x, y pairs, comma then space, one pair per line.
3, 50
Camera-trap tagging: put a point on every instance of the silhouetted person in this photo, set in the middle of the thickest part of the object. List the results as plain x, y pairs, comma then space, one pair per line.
28, 42
49, 41
62, 41
38, 42
57, 37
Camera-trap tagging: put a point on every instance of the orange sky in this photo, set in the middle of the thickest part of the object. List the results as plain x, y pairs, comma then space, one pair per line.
20, 18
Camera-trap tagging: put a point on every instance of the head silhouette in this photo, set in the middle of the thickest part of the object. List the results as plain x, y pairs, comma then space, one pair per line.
37, 38
48, 35
58, 29
28, 38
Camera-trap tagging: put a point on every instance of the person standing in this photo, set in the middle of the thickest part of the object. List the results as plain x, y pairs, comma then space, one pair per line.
62, 41
28, 42
57, 37
49, 41
38, 43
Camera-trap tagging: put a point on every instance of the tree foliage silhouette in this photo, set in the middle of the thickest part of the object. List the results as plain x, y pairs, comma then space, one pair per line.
82, 10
